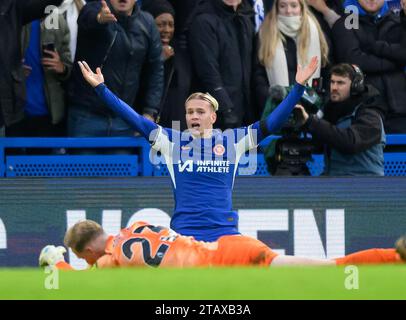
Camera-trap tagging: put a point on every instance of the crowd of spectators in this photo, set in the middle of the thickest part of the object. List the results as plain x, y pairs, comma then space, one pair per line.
155, 53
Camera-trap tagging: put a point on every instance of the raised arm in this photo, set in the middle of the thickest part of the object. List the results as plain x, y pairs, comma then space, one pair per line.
138, 122
95, 16
279, 116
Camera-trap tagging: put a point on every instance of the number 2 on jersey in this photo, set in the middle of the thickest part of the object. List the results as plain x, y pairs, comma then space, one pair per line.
146, 248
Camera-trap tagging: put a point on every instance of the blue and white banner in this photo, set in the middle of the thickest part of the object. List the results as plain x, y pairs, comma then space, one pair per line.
259, 13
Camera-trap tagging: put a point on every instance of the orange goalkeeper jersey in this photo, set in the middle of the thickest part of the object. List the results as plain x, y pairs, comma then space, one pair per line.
146, 245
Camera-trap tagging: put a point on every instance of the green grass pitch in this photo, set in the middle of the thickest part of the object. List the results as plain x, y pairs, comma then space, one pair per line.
375, 282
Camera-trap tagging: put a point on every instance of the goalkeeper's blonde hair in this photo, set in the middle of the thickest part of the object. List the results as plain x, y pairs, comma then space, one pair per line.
78, 236
206, 97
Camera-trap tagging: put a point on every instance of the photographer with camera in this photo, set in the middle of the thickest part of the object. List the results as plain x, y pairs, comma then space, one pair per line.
351, 127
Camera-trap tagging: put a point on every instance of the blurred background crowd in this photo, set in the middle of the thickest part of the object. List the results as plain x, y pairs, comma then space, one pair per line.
155, 53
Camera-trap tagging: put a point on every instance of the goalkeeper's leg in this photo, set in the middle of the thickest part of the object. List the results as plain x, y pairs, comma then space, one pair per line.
378, 256
282, 260
371, 256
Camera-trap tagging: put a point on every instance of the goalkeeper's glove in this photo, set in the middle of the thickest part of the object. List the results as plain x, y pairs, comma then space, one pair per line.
51, 255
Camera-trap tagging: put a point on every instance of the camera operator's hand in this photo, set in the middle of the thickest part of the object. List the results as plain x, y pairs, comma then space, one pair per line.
105, 15
301, 115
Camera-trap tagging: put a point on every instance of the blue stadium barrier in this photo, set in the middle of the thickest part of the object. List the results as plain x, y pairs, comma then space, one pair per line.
139, 165
395, 162
70, 165
391, 139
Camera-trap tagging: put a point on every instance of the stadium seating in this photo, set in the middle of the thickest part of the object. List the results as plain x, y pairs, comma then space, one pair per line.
74, 165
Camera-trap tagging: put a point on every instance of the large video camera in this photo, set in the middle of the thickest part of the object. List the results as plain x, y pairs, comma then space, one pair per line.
312, 101
294, 149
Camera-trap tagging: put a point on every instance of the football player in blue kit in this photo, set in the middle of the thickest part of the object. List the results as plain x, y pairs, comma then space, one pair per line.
202, 161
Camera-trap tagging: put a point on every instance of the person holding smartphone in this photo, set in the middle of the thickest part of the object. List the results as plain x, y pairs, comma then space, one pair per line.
14, 14
47, 64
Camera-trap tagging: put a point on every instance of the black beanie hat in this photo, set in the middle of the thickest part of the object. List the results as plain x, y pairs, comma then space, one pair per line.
158, 7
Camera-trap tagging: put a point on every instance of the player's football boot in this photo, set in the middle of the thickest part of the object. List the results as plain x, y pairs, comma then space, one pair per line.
401, 247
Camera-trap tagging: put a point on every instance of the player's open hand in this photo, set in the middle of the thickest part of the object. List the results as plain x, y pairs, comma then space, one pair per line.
304, 73
105, 15
94, 79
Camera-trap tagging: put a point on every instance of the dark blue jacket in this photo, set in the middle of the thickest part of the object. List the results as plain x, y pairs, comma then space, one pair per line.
128, 51
378, 47
221, 43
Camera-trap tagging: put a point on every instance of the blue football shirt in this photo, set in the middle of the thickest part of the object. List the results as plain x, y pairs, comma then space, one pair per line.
203, 170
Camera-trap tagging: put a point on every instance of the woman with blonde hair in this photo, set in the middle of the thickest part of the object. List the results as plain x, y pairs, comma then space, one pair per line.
290, 35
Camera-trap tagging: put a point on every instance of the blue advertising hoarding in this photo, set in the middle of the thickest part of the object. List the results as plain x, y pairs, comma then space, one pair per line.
314, 217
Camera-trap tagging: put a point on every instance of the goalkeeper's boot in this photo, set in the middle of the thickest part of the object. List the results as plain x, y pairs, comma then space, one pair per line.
401, 247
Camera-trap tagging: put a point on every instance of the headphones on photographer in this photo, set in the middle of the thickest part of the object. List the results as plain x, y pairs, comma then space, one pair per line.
357, 85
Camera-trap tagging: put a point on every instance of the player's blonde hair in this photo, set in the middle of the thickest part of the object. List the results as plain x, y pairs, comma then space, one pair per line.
78, 236
206, 97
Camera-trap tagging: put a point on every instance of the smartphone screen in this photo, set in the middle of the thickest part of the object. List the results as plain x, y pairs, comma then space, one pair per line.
48, 46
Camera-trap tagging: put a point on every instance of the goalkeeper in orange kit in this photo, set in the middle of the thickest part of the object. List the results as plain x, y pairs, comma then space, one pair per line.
143, 245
